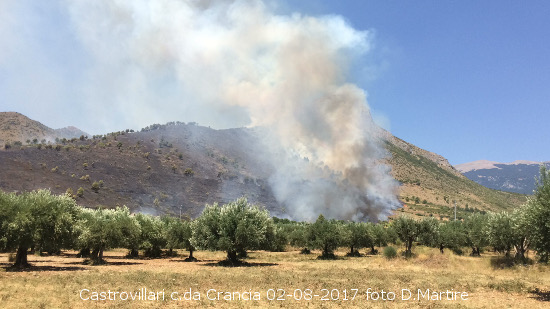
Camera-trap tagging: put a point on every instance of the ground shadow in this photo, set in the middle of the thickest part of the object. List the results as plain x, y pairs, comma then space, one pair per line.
540, 295
186, 260
107, 263
10, 268
226, 263
502, 262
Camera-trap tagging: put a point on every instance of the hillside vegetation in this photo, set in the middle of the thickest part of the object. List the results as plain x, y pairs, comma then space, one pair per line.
438, 187
177, 168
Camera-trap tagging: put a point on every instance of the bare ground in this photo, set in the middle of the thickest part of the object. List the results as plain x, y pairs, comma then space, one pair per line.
57, 281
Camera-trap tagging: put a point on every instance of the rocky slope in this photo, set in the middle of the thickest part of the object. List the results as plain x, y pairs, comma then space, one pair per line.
179, 167
518, 176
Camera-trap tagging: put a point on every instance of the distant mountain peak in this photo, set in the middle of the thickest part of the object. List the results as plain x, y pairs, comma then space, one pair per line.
486, 164
16, 127
517, 176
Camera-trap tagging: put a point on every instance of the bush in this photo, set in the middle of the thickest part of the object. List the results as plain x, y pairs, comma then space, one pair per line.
95, 187
189, 172
390, 253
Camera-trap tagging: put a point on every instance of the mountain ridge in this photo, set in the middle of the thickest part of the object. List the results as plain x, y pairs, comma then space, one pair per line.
18, 128
179, 167
517, 176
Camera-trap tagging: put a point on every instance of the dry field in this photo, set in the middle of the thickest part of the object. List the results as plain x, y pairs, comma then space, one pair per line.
61, 282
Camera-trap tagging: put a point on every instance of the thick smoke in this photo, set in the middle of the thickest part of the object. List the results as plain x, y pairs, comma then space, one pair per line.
234, 63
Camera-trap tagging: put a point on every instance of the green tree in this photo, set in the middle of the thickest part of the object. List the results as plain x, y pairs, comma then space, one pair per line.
381, 236
39, 219
276, 237
407, 230
357, 235
177, 232
234, 227
102, 229
428, 232
499, 231
152, 235
451, 235
476, 237
298, 236
538, 214
325, 235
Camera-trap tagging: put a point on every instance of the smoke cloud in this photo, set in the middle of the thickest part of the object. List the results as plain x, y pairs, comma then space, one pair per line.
239, 63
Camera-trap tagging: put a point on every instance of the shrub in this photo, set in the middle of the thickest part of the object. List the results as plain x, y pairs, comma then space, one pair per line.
95, 187
80, 192
189, 172
390, 252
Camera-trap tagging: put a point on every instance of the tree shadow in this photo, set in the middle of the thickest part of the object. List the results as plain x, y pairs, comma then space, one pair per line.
42, 268
187, 260
540, 295
227, 263
503, 262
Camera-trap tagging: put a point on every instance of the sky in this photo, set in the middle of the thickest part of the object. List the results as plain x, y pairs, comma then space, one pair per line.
468, 80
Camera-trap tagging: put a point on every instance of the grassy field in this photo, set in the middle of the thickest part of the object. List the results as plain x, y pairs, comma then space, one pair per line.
60, 281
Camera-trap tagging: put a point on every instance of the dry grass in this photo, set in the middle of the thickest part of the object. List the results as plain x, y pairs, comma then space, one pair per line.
55, 282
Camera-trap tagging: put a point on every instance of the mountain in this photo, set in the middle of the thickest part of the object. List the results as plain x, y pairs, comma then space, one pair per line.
518, 176
177, 168
17, 128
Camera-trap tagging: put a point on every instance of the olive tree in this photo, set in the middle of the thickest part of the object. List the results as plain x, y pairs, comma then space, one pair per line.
428, 232
152, 235
407, 230
276, 237
475, 232
298, 236
8, 208
234, 227
522, 232
37, 219
102, 229
538, 214
325, 235
452, 235
178, 236
357, 235
381, 236
499, 231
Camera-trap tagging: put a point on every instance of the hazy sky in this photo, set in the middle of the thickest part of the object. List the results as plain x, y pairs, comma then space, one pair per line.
469, 80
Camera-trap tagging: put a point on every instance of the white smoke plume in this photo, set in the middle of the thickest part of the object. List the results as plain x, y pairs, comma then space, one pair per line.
239, 63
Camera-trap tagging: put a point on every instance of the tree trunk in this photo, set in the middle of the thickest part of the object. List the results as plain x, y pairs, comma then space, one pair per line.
408, 250
84, 253
372, 250
191, 254
232, 256
441, 247
134, 253
94, 254
21, 258
351, 250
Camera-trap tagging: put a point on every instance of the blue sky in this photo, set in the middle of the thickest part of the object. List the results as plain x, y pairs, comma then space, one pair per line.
469, 80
